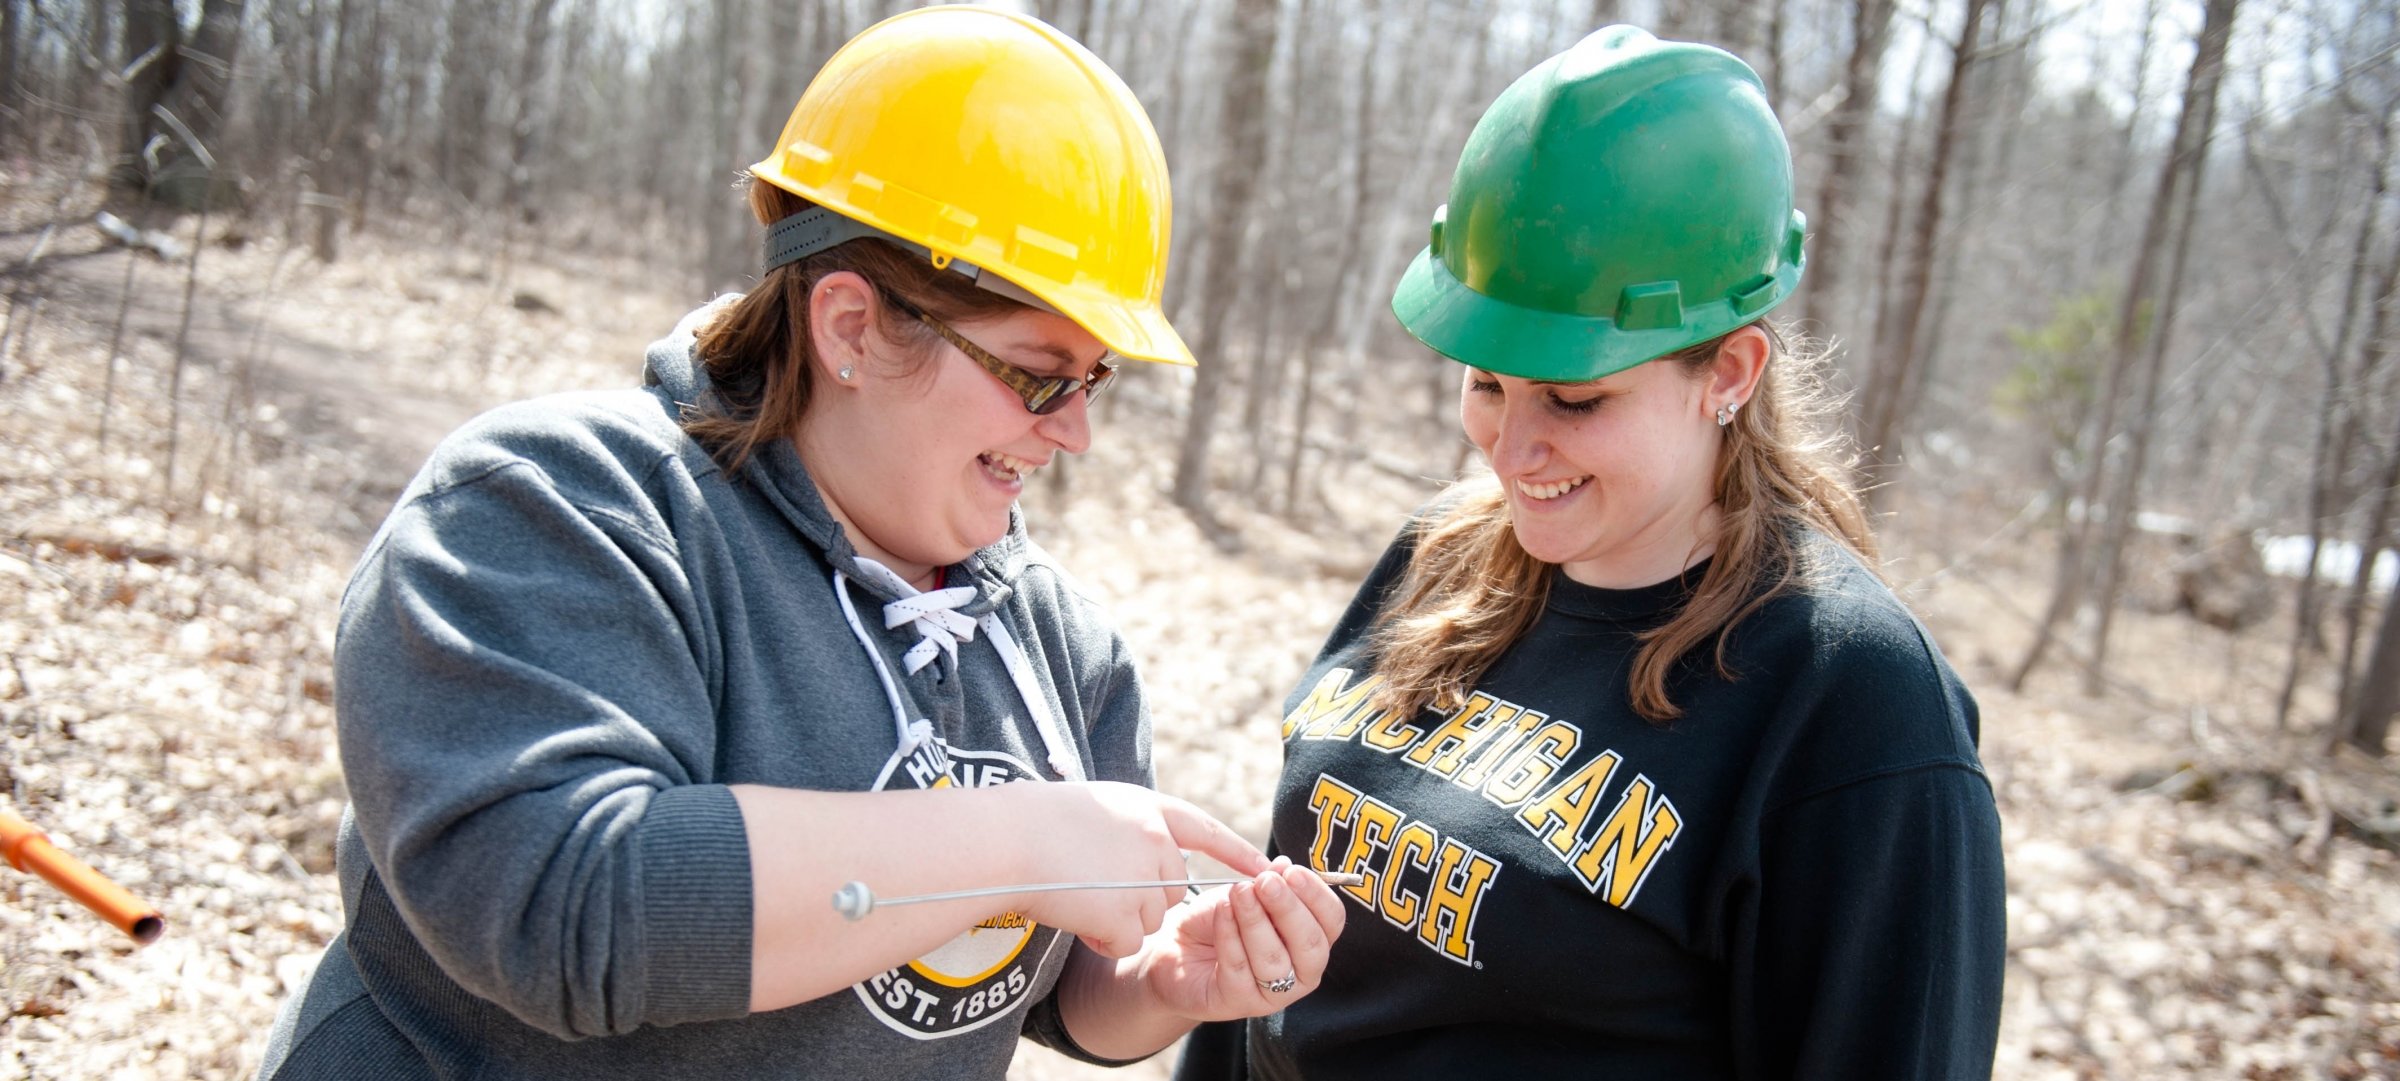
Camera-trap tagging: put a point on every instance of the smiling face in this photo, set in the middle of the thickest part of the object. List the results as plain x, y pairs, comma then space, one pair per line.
921, 452
1612, 479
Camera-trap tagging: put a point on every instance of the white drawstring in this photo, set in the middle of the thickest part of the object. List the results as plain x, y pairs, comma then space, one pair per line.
935, 617
909, 734
1062, 760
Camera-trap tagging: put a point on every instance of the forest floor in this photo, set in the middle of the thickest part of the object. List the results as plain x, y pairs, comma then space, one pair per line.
2192, 894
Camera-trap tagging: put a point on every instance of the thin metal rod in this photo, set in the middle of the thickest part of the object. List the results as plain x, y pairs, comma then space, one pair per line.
855, 900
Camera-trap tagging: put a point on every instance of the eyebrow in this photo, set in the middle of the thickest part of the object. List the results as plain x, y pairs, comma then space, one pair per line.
1062, 354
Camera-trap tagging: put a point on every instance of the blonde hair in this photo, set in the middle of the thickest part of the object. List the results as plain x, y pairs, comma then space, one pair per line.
758, 353
1471, 591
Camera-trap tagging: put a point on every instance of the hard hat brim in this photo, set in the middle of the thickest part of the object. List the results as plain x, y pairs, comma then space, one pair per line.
1129, 328
1132, 332
1509, 339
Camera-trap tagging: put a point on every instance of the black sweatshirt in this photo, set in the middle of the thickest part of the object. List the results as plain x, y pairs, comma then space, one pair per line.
1799, 878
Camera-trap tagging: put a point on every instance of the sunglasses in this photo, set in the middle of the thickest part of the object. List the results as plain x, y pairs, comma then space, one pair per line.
1043, 394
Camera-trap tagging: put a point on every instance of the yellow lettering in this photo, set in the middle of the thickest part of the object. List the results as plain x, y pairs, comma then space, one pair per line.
1410, 847
1533, 763
1333, 802
1370, 828
1495, 746
1460, 875
1328, 703
1450, 741
1619, 856
1558, 816
1386, 732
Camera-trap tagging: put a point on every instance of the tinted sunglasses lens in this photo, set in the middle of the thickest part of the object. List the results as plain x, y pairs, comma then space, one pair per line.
1052, 397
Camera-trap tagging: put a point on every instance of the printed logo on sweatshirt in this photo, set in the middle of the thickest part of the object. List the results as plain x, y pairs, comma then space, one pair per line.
988, 971
1426, 884
1517, 758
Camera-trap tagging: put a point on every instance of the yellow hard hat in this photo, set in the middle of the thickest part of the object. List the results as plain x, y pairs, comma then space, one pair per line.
996, 144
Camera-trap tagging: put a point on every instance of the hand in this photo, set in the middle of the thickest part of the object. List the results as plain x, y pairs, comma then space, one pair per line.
1103, 831
1218, 955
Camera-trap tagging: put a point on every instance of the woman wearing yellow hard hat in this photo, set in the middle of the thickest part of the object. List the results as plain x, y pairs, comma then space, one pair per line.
1645, 771
663, 710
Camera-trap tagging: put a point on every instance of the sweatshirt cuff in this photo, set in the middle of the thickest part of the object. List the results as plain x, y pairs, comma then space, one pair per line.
696, 913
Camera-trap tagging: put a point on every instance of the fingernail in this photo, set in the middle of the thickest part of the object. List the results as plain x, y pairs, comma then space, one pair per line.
1272, 886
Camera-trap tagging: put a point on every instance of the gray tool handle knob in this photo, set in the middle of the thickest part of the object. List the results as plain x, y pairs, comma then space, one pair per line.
854, 900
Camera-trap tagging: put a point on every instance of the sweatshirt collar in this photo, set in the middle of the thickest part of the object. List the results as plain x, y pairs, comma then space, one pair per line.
1636, 605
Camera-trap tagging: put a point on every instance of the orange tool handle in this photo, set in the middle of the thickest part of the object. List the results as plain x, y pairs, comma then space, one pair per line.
28, 849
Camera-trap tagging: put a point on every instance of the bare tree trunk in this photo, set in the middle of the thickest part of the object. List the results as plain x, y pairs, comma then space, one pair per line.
1778, 29
2324, 474
2369, 725
727, 258
1345, 261
2123, 177
1996, 114
151, 36
416, 53
2134, 324
2372, 541
1265, 367
1886, 284
1847, 133
362, 142
1901, 359
466, 75
1250, 45
12, 91
2366, 718
2200, 100
524, 131
2376, 347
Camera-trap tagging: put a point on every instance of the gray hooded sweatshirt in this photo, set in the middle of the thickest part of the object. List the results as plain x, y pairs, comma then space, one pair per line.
571, 635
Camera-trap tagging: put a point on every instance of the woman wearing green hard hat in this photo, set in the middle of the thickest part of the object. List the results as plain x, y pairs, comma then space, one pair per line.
1647, 773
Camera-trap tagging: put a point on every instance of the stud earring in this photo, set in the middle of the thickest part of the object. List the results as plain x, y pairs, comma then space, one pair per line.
844, 376
1726, 411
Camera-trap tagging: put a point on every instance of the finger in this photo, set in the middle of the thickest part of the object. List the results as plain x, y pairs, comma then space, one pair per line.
1233, 963
1298, 927
1171, 868
1195, 830
1269, 959
1328, 908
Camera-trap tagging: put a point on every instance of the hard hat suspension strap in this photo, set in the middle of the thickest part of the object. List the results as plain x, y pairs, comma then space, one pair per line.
817, 229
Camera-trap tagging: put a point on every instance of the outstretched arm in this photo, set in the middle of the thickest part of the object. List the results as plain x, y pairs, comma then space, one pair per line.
805, 845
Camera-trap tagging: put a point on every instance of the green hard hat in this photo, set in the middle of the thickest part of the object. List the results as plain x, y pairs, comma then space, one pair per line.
1625, 199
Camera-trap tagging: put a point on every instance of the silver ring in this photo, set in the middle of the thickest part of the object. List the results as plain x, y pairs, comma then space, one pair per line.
1280, 984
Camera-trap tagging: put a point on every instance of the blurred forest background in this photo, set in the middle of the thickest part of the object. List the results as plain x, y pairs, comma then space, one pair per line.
2113, 287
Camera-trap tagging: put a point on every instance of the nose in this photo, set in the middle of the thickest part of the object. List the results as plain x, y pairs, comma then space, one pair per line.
1520, 444
1070, 428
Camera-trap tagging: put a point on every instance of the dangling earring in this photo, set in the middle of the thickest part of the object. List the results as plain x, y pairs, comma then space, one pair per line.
844, 376
1725, 413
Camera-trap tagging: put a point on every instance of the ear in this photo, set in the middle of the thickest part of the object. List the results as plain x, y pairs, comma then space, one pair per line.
1733, 376
841, 322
